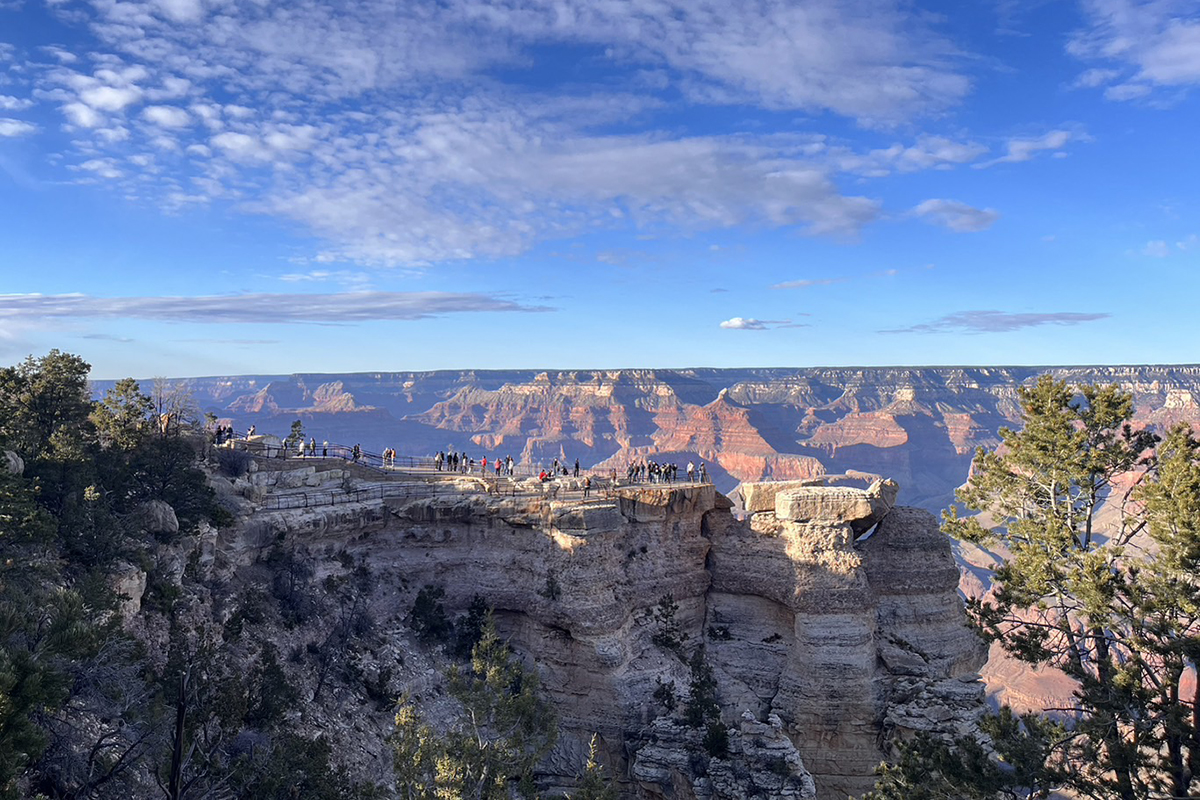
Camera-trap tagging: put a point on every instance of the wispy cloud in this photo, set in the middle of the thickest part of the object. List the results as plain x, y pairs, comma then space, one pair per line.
350, 279
258, 308
1156, 248
805, 283
997, 322
233, 342
955, 215
106, 337
926, 152
1025, 149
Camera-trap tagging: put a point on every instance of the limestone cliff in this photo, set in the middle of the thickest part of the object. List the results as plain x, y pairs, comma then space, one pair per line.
828, 616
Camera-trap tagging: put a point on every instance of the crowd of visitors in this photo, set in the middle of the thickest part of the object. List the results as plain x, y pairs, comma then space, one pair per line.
650, 471
645, 471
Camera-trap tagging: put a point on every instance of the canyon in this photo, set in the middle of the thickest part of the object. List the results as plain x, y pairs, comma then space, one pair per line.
916, 425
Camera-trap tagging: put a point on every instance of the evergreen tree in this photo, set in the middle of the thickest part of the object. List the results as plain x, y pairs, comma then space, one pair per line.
296, 437
1115, 612
506, 729
593, 785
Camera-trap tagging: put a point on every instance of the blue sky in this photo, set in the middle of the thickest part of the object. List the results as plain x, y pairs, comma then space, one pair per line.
199, 187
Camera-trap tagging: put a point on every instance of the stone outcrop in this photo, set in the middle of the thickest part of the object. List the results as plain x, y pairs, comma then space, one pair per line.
825, 643
762, 762
12, 463
157, 517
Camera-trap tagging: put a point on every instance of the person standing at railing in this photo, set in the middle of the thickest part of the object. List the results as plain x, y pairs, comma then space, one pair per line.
325, 449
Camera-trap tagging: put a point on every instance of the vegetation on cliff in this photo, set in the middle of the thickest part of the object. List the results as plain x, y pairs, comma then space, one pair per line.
1101, 523
91, 492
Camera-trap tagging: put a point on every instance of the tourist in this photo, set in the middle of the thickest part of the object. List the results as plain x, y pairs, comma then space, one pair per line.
325, 449
587, 486
577, 468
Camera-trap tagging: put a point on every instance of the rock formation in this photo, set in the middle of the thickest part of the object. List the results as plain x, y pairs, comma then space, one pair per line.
828, 617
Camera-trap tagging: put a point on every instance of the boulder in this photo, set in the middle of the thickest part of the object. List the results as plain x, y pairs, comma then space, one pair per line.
761, 496
13, 463
861, 508
158, 517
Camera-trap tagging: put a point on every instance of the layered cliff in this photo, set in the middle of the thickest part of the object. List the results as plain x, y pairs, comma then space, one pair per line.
829, 618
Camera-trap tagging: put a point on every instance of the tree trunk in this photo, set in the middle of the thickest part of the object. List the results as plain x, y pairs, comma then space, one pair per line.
175, 785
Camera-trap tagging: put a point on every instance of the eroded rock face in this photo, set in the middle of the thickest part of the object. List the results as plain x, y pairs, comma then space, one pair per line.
822, 645
848, 641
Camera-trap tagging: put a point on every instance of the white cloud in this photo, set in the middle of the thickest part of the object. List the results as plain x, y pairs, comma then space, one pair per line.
103, 167
10, 103
955, 215
1143, 43
181, 10
83, 115
744, 324
240, 146
928, 152
110, 98
751, 324
167, 116
15, 127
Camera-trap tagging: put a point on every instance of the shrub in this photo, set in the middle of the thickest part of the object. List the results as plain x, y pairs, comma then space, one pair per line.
233, 463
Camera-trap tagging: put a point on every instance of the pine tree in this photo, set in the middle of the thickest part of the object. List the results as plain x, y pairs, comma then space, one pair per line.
506, 728
593, 785
1115, 606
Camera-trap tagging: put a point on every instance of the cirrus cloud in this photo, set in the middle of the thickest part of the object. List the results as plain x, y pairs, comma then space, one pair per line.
998, 321
955, 215
258, 308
